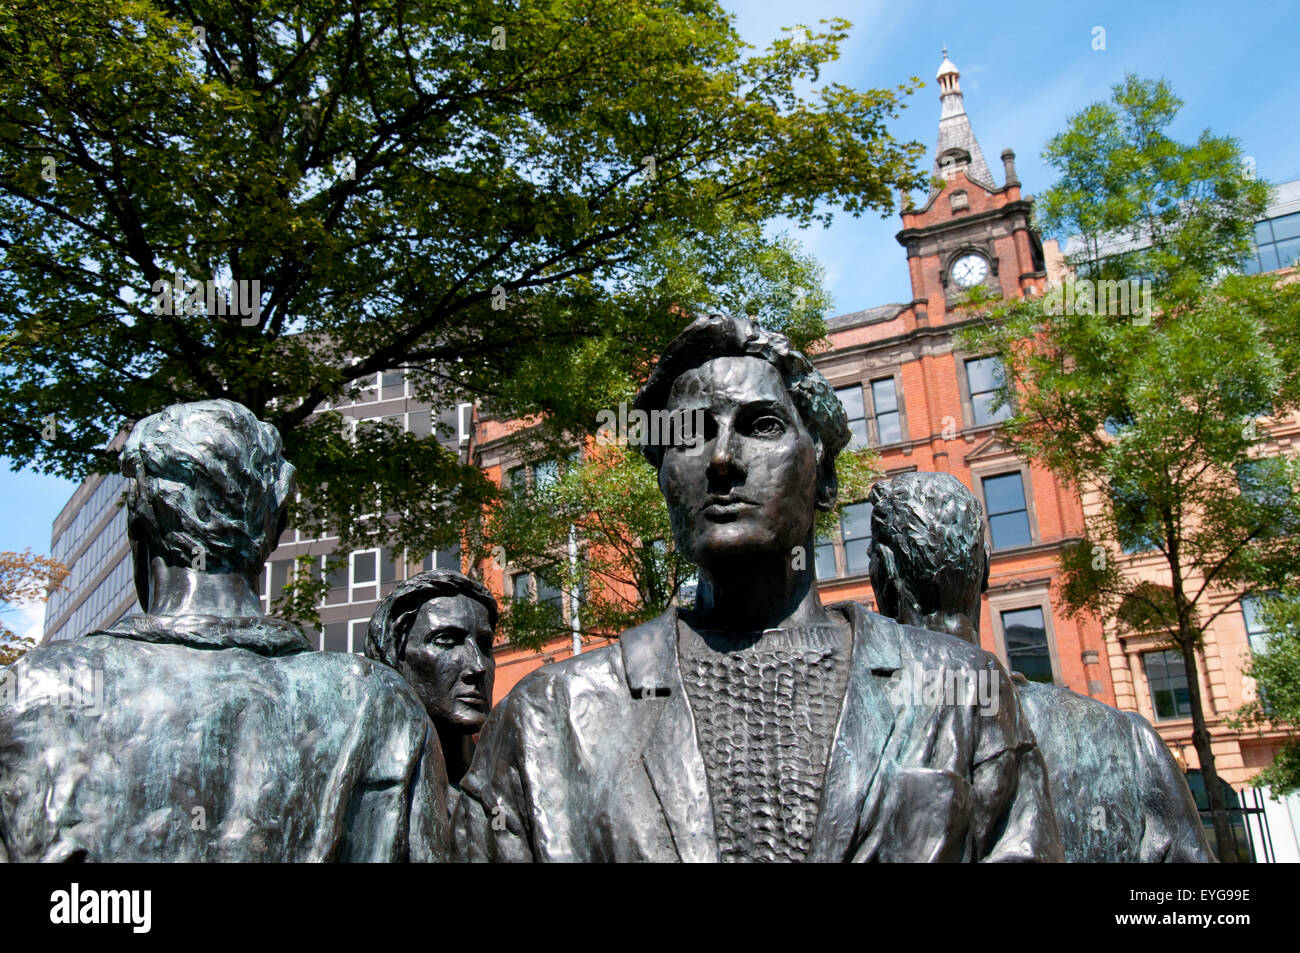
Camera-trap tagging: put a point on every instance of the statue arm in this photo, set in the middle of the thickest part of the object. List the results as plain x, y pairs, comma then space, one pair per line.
1013, 815
429, 835
491, 821
1172, 831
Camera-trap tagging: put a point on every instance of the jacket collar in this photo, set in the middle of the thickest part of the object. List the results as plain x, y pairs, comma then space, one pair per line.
261, 635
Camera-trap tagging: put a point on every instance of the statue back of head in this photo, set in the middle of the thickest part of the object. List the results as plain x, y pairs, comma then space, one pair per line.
929, 562
205, 478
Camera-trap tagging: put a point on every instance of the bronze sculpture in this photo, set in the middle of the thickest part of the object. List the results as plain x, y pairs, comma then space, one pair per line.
1117, 792
760, 724
436, 629
221, 734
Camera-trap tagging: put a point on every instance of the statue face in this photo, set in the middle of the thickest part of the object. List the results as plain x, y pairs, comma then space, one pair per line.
449, 661
754, 488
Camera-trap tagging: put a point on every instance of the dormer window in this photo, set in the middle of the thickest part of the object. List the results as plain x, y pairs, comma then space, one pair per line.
953, 160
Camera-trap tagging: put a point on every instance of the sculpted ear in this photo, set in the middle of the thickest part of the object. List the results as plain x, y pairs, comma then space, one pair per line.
828, 484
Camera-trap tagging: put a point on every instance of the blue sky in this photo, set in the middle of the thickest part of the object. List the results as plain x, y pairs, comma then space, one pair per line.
1025, 68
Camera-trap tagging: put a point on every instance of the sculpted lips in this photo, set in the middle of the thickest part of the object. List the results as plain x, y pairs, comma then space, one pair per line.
726, 505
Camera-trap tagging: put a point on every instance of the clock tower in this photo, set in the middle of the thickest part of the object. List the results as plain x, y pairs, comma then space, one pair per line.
970, 233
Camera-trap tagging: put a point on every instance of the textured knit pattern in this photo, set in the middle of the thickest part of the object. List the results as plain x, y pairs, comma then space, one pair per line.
766, 709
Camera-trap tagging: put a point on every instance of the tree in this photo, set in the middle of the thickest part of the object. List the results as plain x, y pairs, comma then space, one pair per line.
1145, 205
24, 578
469, 192
1276, 671
1154, 413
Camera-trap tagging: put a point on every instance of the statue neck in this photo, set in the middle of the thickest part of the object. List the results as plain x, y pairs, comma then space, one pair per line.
182, 591
457, 749
952, 623
747, 594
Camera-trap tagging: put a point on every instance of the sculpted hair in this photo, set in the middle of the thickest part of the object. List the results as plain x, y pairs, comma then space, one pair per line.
206, 477
927, 545
391, 624
719, 335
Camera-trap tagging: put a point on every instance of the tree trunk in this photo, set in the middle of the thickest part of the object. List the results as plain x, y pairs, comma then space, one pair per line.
1225, 844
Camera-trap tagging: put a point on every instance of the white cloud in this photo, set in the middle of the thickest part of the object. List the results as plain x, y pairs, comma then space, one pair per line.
27, 621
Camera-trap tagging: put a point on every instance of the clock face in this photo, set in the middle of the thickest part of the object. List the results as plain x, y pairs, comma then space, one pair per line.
970, 270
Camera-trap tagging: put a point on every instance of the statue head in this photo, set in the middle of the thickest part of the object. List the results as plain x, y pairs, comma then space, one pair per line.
772, 428
436, 629
929, 563
207, 489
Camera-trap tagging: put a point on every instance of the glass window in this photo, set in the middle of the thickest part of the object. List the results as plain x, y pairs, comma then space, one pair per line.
1268, 258
281, 573
520, 585
1287, 252
448, 558
358, 628
335, 638
518, 478
1004, 501
1286, 226
337, 577
1168, 680
825, 560
418, 422
394, 385
855, 524
1256, 631
851, 398
363, 567
388, 565
449, 427
983, 378
1025, 636
546, 592
364, 570
1263, 233
884, 402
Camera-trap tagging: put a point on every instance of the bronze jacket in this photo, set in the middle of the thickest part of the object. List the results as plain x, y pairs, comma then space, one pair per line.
1119, 795
596, 759
214, 740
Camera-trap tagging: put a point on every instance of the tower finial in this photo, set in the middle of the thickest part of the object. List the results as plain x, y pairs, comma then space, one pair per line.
945, 51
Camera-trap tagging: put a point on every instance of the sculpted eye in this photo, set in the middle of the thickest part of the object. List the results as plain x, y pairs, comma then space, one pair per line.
768, 426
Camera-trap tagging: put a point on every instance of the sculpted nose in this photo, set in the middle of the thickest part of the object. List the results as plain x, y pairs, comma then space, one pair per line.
477, 661
723, 457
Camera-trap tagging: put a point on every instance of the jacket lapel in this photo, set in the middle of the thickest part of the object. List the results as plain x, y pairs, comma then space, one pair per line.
671, 755
865, 727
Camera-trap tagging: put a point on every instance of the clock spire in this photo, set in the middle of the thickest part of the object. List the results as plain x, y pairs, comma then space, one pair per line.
958, 148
